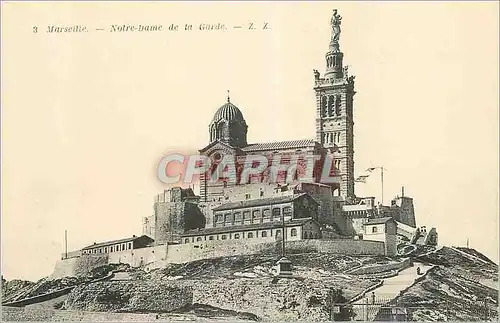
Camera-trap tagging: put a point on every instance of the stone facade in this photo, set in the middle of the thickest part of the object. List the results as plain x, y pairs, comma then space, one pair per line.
334, 117
403, 210
262, 232
118, 245
385, 230
176, 211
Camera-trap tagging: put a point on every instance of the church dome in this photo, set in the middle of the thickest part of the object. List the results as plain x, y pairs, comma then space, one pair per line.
229, 112
229, 126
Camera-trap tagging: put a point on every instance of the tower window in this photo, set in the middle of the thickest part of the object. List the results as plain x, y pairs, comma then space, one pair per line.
337, 105
330, 106
323, 106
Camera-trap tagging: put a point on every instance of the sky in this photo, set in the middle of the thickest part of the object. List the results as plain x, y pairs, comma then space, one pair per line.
86, 117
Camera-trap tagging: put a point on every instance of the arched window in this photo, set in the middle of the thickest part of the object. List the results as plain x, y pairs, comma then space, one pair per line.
374, 230
186, 240
198, 239
324, 112
220, 130
337, 105
256, 215
330, 106
249, 235
278, 234
293, 232
311, 236
236, 235
276, 214
224, 237
264, 234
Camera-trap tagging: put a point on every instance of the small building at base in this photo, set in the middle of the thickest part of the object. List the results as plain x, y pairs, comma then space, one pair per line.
385, 230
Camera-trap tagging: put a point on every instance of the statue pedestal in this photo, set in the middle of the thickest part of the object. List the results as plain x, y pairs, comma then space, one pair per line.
284, 267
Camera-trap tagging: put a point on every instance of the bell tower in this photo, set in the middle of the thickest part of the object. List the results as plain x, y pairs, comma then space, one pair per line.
334, 110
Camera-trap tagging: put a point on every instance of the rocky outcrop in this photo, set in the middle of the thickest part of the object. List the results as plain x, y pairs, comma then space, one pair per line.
14, 288
133, 296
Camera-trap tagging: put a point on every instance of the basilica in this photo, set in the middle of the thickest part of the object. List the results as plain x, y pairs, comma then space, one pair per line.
229, 217
226, 210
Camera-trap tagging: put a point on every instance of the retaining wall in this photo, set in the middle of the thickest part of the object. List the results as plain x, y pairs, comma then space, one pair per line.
182, 253
381, 268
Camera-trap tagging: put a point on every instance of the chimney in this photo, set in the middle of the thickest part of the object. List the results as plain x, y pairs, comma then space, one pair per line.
402, 191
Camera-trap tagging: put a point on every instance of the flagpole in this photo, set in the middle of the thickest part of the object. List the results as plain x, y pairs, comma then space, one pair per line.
66, 243
382, 182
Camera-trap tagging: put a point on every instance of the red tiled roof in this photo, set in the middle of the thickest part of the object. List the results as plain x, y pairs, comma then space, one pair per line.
278, 145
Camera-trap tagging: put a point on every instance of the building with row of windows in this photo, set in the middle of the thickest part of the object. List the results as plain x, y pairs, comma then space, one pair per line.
295, 229
119, 245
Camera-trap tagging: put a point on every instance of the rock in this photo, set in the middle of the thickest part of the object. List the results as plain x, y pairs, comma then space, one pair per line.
134, 296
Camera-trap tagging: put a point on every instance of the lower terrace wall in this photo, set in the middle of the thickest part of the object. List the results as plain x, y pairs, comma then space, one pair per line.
213, 249
139, 257
182, 253
341, 246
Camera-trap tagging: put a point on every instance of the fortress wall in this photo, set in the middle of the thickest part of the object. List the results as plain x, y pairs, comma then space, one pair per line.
182, 253
71, 254
86, 263
138, 257
340, 246
213, 249
65, 267
78, 266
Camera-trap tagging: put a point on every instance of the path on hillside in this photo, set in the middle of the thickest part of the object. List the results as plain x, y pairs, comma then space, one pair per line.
430, 252
469, 256
388, 291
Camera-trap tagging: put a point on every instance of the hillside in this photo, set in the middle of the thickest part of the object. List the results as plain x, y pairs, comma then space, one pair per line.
244, 288
459, 289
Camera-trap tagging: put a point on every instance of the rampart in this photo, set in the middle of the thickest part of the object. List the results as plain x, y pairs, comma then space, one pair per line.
161, 255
